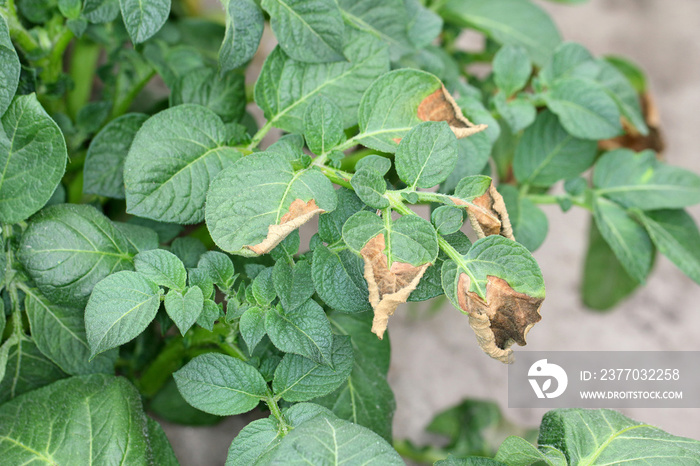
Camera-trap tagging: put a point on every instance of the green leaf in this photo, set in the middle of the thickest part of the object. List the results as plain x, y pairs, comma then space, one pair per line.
174, 156
470, 461
676, 236
516, 451
365, 398
569, 60
307, 31
161, 451
144, 19
530, 224
605, 280
140, 238
547, 153
447, 219
330, 225
584, 109
244, 28
411, 239
263, 287
426, 155
606, 437
325, 440
294, 284
220, 384
100, 11
101, 416
68, 248
472, 156
430, 285
10, 69
211, 312
304, 331
300, 379
219, 267
120, 308
104, 162
509, 22
631, 71
188, 249
252, 325
162, 268
374, 162
222, 93
497, 256
33, 154
640, 180
27, 369
247, 203
338, 279
620, 89
59, 332
342, 82
253, 441
628, 239
184, 310
386, 19
323, 125
370, 186
389, 107
511, 69
424, 25
519, 113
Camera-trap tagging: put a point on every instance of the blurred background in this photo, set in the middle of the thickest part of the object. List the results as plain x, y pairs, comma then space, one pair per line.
436, 362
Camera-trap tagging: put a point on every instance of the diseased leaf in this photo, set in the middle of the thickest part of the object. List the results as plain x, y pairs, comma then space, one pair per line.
68, 248
222, 93
10, 69
27, 369
300, 379
547, 153
640, 180
120, 307
511, 68
323, 125
608, 437
498, 284
162, 268
257, 202
59, 332
485, 207
605, 280
514, 22
32, 154
103, 172
308, 31
144, 18
426, 155
401, 99
220, 384
584, 109
304, 331
172, 160
676, 236
184, 309
326, 440
338, 279
628, 239
244, 28
287, 87
102, 419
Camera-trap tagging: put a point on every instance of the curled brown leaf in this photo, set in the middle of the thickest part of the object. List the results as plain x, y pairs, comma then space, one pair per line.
632, 139
299, 213
487, 214
441, 106
388, 286
501, 320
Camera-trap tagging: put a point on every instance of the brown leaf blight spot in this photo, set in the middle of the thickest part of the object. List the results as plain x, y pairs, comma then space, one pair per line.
503, 319
487, 214
388, 287
632, 139
441, 106
299, 213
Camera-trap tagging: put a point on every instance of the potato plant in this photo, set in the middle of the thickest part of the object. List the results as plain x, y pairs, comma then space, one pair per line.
151, 255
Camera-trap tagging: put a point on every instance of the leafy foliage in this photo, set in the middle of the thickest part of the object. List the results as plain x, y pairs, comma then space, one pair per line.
146, 233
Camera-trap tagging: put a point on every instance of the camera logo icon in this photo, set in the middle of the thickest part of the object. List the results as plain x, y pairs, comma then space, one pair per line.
546, 372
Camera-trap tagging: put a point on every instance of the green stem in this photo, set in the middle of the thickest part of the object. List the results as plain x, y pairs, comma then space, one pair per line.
19, 35
426, 455
55, 63
275, 410
554, 199
120, 107
260, 135
338, 177
82, 70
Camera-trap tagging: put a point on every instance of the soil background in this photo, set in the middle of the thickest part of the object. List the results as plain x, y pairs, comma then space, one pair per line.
436, 362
